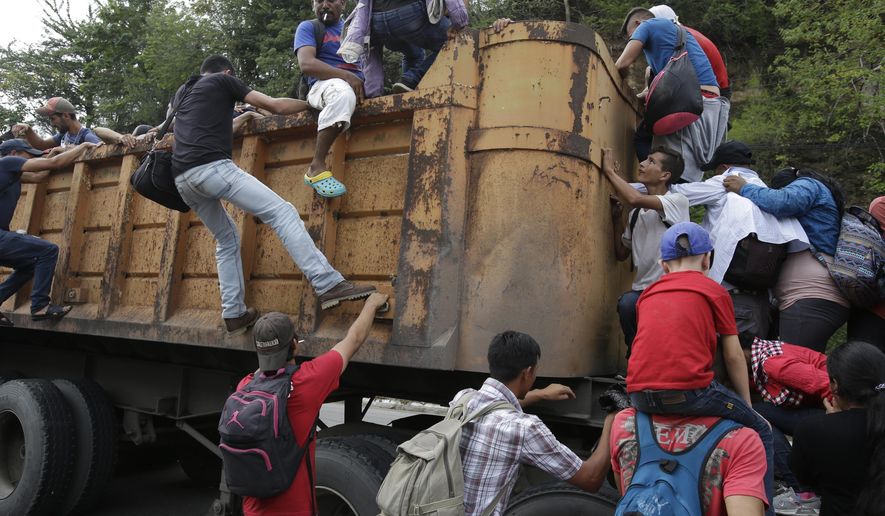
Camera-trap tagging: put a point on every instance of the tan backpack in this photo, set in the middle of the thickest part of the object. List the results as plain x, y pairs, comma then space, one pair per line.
426, 477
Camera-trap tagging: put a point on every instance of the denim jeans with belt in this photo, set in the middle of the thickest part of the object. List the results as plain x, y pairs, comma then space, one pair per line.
203, 188
713, 401
407, 29
29, 257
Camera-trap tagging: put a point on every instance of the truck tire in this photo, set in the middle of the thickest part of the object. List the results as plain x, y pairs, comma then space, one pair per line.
201, 466
559, 498
35, 476
95, 431
348, 476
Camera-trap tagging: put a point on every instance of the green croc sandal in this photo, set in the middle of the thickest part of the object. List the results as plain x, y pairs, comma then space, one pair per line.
325, 184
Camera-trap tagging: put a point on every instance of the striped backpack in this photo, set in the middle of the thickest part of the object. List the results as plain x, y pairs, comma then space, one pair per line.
858, 266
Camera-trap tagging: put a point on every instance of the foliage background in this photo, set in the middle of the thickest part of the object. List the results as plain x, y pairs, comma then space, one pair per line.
807, 75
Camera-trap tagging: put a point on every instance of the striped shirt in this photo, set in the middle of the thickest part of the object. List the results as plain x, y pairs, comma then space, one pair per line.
494, 446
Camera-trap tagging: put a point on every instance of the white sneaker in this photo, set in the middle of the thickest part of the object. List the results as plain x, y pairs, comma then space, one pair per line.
788, 504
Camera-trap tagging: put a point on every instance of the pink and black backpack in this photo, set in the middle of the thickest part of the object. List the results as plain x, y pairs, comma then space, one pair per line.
258, 447
674, 98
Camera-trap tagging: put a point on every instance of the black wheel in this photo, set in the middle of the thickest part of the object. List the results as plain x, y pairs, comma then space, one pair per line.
349, 474
36, 448
559, 498
96, 450
200, 465
385, 446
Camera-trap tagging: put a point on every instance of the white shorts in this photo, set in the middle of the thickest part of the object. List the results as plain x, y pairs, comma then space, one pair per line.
336, 101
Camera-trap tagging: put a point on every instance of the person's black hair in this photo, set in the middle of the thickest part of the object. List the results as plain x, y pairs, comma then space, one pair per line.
216, 64
141, 129
786, 176
859, 371
511, 352
291, 354
829, 182
672, 163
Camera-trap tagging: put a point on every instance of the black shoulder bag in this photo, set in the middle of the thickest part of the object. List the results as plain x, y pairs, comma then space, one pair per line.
153, 179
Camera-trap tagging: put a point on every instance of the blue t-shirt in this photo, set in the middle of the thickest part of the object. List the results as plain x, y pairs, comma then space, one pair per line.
658, 38
70, 140
328, 54
10, 188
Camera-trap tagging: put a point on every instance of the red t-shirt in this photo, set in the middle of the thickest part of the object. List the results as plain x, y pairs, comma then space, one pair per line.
736, 467
679, 316
713, 56
311, 384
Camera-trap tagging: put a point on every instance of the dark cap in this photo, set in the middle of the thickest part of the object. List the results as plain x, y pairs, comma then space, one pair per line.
730, 153
698, 241
632, 13
56, 105
273, 334
17, 144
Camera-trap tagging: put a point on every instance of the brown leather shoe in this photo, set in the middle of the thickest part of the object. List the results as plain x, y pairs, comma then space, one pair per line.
238, 325
344, 291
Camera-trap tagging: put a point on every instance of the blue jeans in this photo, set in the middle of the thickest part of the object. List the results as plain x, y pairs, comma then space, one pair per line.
714, 401
29, 257
203, 188
627, 315
784, 420
407, 29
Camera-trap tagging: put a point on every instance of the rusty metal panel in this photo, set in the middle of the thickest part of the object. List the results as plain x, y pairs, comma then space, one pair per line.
355, 258
476, 201
380, 180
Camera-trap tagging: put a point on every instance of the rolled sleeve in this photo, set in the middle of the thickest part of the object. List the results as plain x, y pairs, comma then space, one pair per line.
542, 450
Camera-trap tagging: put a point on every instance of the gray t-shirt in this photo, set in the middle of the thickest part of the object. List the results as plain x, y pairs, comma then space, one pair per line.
645, 239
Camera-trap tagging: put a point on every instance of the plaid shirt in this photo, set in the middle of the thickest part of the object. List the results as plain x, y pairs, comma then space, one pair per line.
494, 446
776, 393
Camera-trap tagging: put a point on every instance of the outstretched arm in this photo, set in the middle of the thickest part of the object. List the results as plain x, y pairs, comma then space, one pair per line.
59, 161
27, 132
276, 105
628, 56
626, 192
359, 330
593, 471
736, 366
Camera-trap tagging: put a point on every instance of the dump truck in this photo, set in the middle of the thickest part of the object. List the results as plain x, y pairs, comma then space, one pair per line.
476, 202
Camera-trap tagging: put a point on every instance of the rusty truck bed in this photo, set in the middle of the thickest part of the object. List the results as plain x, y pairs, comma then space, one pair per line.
475, 201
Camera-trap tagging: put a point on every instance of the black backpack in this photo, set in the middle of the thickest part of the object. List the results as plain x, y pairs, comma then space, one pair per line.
674, 98
258, 447
319, 33
755, 264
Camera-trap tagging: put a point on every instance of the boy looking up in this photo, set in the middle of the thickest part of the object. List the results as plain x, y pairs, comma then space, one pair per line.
651, 215
671, 368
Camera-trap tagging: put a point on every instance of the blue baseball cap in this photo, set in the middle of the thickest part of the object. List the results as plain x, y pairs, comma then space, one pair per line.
17, 144
698, 241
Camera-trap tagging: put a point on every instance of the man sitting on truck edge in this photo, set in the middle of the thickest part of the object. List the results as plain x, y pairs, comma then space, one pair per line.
205, 174
311, 384
651, 215
410, 27
671, 368
656, 38
63, 118
335, 88
28, 256
494, 446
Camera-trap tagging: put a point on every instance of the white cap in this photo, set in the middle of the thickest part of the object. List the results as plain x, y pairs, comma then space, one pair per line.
664, 11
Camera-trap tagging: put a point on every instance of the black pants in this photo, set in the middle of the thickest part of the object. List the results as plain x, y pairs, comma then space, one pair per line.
811, 322
867, 326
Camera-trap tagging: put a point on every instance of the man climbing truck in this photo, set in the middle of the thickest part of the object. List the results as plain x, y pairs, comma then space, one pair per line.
486, 218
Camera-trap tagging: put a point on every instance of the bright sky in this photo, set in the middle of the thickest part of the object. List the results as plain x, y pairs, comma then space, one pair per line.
22, 18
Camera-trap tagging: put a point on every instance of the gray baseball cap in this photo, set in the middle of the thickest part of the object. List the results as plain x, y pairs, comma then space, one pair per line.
273, 334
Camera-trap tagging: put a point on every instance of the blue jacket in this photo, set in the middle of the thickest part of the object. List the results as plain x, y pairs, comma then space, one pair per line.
807, 199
